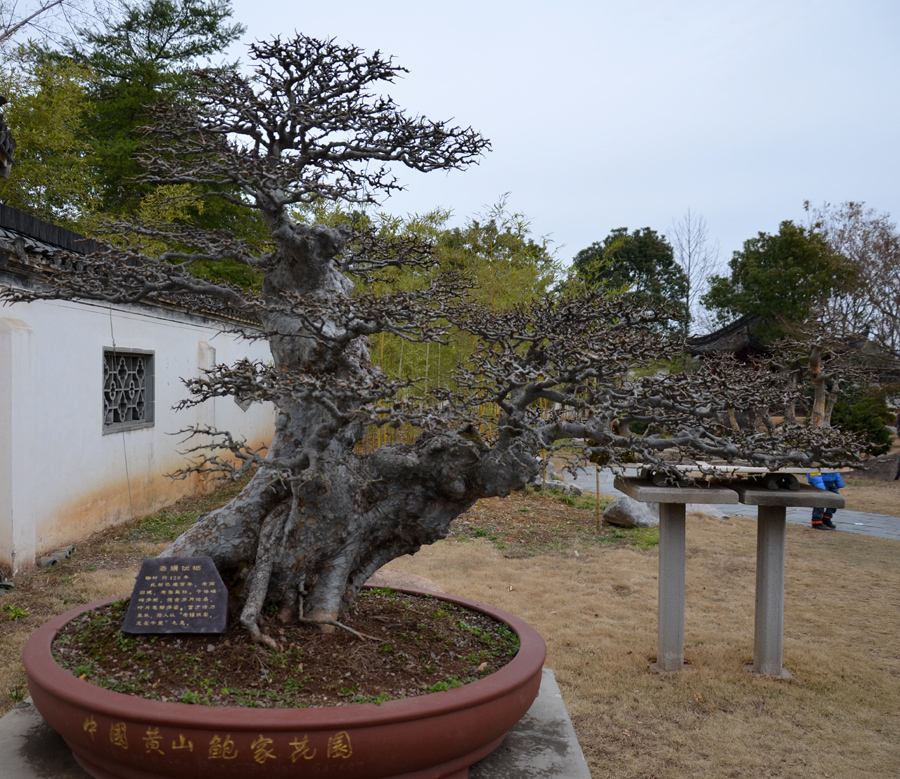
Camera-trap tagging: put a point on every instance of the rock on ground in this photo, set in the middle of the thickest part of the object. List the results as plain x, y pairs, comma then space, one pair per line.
884, 468
627, 512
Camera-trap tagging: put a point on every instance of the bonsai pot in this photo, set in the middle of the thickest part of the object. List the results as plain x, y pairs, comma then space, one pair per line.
434, 736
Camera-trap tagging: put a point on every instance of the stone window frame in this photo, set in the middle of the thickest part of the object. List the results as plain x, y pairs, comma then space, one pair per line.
149, 391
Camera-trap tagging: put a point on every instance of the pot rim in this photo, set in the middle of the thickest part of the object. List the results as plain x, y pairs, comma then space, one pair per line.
43, 671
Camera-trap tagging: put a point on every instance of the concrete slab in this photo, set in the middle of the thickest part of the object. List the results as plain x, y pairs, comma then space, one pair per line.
31, 749
803, 495
647, 492
542, 746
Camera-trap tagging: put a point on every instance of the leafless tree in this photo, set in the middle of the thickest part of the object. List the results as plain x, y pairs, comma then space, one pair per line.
48, 19
15, 16
831, 364
696, 254
870, 241
319, 516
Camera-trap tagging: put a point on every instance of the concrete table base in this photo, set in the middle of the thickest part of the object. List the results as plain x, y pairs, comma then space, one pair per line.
543, 745
768, 633
768, 637
672, 500
670, 628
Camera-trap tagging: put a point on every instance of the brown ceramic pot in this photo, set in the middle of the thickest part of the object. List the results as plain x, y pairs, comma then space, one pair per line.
436, 736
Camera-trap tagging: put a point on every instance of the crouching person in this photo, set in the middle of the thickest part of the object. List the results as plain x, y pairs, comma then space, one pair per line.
833, 482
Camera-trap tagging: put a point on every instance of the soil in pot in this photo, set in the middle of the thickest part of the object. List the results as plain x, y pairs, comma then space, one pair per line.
418, 645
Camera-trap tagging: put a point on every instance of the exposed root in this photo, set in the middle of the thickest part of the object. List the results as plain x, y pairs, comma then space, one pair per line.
259, 637
334, 623
269, 642
261, 575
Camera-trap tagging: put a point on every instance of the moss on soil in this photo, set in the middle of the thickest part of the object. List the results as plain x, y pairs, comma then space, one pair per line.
424, 645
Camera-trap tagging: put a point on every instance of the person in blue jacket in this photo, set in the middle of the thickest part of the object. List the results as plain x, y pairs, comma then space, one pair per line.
833, 482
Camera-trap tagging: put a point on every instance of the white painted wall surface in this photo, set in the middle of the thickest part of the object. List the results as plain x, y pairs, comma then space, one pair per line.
61, 477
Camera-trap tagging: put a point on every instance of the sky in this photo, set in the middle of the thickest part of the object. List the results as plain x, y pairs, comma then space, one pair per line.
610, 114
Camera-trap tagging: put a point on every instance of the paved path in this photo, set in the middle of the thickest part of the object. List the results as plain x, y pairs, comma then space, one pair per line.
863, 522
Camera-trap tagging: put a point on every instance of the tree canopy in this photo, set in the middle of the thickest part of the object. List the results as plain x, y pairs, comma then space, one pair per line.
640, 261
136, 61
781, 279
54, 176
869, 306
78, 110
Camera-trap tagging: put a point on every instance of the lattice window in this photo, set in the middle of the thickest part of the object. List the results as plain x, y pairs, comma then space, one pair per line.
127, 389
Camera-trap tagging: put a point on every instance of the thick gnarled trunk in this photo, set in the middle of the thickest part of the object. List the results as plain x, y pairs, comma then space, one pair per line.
307, 531
315, 541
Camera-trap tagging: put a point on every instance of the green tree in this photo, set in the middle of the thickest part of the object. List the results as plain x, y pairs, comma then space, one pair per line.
138, 60
504, 265
508, 265
782, 279
640, 261
54, 176
77, 114
865, 412
503, 262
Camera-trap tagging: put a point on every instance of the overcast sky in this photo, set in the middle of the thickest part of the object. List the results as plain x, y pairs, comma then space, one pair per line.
606, 114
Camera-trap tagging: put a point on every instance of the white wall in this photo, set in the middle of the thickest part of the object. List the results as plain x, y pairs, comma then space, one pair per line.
61, 477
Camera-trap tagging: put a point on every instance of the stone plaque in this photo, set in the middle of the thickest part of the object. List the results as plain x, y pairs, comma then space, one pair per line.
177, 595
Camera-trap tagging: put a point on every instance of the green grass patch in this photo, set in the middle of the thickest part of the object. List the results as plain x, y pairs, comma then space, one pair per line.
587, 501
165, 525
385, 592
18, 693
640, 537
170, 522
194, 697
13, 612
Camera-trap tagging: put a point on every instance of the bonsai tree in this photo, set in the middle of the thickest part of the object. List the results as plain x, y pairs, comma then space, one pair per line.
319, 516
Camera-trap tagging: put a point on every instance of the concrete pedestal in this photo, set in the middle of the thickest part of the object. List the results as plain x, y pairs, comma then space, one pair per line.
768, 637
670, 631
672, 500
768, 631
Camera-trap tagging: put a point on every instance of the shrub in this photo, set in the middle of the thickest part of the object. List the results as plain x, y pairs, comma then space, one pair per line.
865, 413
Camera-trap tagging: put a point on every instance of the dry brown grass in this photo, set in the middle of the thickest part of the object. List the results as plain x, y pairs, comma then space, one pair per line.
838, 717
880, 497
